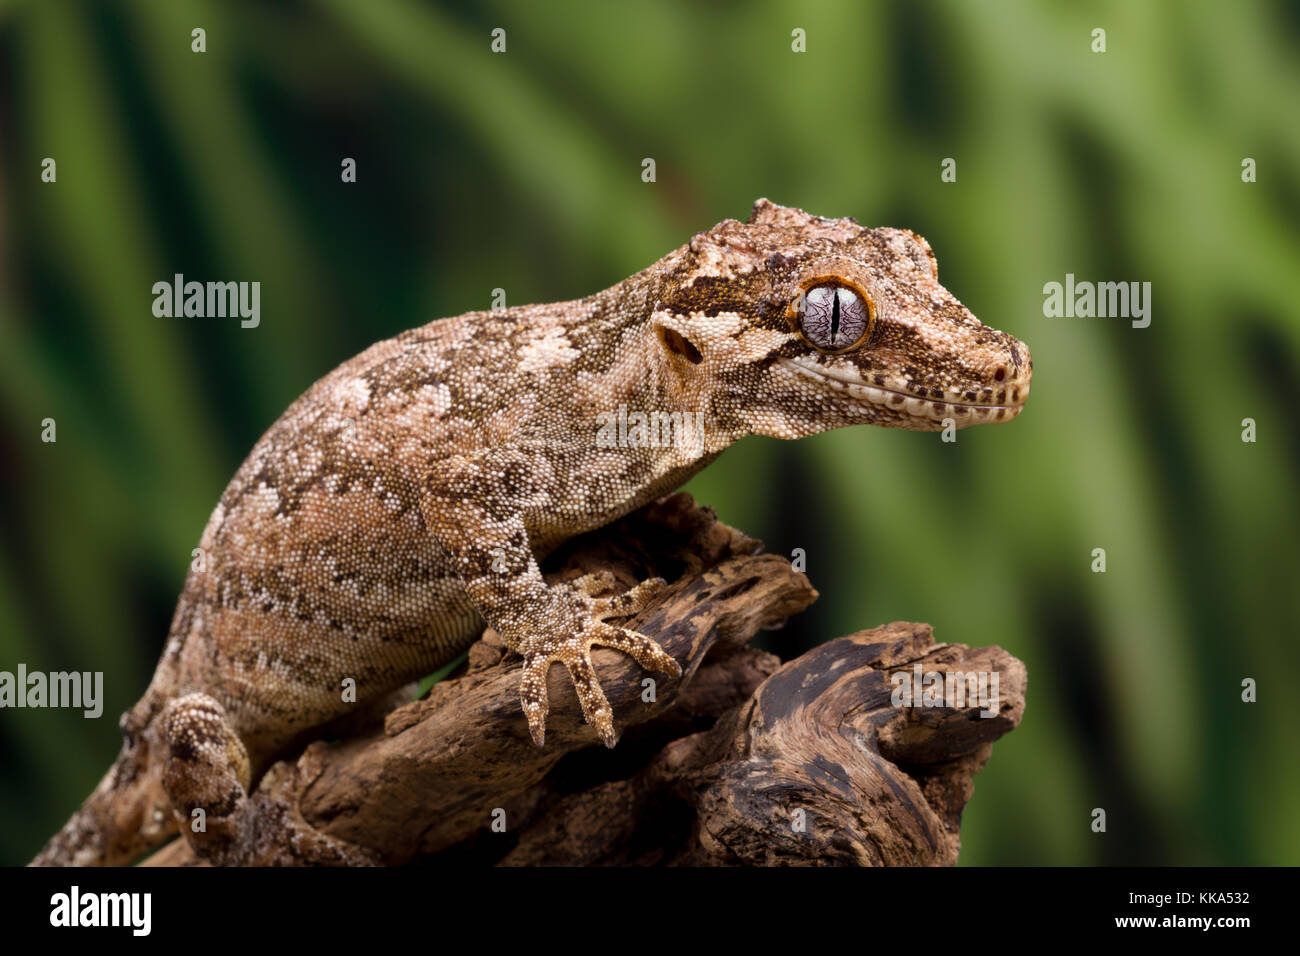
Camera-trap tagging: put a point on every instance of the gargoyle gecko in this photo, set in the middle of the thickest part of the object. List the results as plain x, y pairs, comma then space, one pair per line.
407, 497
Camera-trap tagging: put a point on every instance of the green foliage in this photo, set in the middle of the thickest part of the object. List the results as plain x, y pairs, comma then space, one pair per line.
522, 171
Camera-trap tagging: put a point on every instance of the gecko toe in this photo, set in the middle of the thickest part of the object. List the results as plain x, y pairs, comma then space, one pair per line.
630, 601
595, 705
532, 694
592, 583
646, 652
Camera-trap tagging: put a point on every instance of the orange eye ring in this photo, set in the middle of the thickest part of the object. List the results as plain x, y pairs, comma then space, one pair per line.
818, 327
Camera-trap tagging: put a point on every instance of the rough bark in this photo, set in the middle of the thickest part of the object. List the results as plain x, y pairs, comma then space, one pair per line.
743, 760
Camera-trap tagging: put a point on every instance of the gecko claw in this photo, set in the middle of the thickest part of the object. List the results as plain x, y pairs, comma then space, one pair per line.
538, 731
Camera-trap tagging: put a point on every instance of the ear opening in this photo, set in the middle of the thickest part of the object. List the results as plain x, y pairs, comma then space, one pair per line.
674, 341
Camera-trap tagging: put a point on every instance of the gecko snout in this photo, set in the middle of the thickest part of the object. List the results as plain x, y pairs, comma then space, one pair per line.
1009, 379
1006, 387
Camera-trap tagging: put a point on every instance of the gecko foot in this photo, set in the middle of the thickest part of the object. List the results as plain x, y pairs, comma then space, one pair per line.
206, 773
207, 776
581, 617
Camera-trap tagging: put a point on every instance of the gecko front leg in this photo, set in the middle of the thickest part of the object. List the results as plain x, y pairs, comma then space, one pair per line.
479, 509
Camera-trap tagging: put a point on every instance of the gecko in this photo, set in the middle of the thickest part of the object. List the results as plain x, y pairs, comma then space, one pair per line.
404, 502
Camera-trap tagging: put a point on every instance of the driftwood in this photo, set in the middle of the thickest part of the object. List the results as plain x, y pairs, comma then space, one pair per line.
742, 760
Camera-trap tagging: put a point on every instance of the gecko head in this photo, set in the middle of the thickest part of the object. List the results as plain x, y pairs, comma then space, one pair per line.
804, 324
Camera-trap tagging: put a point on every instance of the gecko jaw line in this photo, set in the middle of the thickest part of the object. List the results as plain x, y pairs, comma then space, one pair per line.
914, 405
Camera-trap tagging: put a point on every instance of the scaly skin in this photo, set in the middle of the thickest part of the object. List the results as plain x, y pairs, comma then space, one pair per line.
408, 496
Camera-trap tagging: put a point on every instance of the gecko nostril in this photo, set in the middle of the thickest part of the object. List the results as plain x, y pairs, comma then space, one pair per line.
1001, 374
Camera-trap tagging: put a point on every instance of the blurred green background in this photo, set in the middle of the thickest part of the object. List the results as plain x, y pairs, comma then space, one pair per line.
522, 171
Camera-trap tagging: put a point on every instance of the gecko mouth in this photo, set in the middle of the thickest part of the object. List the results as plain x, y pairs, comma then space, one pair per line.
1001, 405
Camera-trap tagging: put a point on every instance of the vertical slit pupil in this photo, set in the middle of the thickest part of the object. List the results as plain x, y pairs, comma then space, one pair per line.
835, 315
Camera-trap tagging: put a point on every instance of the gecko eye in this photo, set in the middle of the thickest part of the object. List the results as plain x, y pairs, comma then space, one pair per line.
834, 318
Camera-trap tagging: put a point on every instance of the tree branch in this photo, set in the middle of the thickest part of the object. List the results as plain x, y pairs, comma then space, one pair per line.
740, 761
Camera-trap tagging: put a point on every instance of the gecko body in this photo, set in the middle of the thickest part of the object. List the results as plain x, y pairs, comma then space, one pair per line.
406, 499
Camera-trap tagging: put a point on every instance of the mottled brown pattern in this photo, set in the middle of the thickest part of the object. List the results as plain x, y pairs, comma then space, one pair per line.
408, 496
